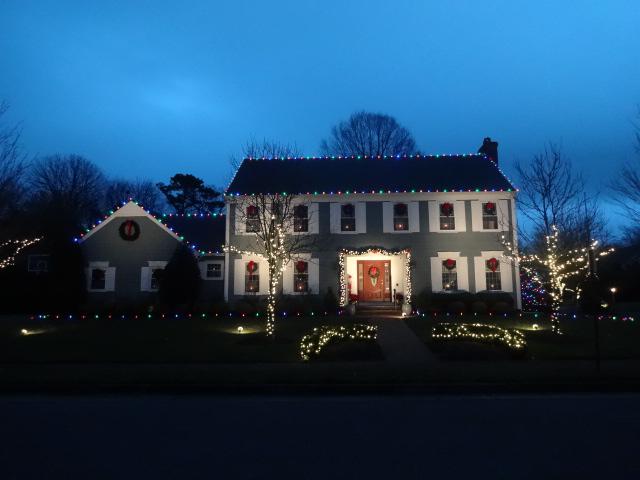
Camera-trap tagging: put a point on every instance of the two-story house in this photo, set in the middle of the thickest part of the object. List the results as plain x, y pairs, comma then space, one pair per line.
383, 225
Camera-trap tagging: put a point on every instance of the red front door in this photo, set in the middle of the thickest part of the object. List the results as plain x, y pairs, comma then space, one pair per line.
374, 280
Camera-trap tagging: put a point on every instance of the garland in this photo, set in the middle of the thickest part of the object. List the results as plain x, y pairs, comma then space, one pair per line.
313, 343
480, 332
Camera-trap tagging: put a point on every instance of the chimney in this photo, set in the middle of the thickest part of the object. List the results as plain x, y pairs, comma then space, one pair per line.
490, 149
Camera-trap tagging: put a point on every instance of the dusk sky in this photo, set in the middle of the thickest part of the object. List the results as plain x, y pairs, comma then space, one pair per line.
148, 89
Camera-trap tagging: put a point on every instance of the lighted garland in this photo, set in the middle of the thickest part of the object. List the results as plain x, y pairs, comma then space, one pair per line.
480, 332
17, 246
342, 262
313, 343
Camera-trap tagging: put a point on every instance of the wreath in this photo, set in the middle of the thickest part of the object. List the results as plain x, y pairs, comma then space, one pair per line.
493, 264
129, 230
400, 209
374, 273
301, 266
252, 211
449, 264
490, 208
446, 209
348, 210
252, 266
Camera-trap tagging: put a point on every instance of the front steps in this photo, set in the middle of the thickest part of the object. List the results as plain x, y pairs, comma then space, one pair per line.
378, 309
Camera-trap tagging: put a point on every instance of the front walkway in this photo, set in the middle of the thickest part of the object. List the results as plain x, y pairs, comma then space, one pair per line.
399, 344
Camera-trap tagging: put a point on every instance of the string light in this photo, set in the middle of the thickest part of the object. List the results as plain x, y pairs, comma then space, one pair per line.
17, 246
558, 266
313, 343
481, 332
342, 262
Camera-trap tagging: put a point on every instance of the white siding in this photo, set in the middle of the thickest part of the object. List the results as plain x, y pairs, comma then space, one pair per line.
361, 217
476, 215
414, 217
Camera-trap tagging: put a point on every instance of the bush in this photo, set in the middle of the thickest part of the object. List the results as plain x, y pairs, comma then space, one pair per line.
422, 301
250, 304
456, 306
479, 307
502, 307
499, 302
180, 283
330, 301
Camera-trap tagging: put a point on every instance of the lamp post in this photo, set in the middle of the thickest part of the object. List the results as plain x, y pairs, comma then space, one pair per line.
613, 291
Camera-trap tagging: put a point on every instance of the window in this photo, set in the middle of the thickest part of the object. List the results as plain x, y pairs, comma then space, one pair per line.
38, 263
214, 270
400, 217
489, 216
252, 220
492, 272
156, 277
251, 277
447, 218
301, 218
449, 275
301, 277
348, 217
98, 279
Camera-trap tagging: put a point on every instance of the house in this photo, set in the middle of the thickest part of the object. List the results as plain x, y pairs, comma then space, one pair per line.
385, 227
125, 254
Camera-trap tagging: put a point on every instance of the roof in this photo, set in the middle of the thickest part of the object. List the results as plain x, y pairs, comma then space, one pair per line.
334, 175
204, 231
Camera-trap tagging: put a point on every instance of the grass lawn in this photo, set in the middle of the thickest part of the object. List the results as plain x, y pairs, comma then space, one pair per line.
618, 339
162, 340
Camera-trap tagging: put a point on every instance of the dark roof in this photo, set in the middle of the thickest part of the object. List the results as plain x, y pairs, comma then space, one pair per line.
204, 231
426, 173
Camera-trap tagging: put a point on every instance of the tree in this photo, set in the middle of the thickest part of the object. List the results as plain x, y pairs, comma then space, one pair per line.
271, 218
626, 189
187, 193
180, 282
67, 191
145, 192
369, 134
265, 148
12, 166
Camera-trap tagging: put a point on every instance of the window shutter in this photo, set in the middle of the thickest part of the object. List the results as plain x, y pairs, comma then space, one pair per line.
505, 275
287, 278
361, 217
434, 216
504, 219
145, 279
314, 218
476, 216
387, 217
110, 279
480, 274
436, 274
460, 215
414, 217
240, 227
462, 264
334, 219
314, 276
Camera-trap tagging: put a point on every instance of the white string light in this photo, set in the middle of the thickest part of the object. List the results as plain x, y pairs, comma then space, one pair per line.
17, 246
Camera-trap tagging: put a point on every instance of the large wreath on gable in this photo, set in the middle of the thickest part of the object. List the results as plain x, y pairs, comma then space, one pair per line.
129, 230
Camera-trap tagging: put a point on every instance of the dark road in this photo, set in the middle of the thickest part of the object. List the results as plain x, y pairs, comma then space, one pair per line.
192, 436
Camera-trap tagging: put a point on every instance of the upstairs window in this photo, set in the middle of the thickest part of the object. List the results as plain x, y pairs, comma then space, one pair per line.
489, 216
214, 270
301, 277
156, 277
251, 277
347, 217
492, 273
400, 217
301, 218
252, 219
447, 218
449, 275
98, 279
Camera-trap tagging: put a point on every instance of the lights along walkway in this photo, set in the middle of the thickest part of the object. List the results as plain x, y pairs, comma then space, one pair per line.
399, 344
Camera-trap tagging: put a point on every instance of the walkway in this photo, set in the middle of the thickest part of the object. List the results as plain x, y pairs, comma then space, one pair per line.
399, 344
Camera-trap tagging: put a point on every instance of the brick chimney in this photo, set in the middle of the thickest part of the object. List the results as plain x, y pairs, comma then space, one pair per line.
490, 149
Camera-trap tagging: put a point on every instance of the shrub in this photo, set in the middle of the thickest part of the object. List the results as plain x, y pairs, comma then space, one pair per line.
497, 299
422, 301
330, 302
479, 307
456, 306
180, 282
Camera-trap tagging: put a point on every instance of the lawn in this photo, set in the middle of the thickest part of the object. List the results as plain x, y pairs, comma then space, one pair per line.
619, 339
158, 340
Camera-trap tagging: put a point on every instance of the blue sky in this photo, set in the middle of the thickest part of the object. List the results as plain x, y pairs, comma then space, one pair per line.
147, 89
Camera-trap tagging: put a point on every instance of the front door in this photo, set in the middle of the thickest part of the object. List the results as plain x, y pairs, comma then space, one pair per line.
374, 280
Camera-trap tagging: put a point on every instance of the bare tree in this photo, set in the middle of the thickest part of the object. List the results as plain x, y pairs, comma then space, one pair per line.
12, 165
626, 187
265, 148
278, 223
70, 185
549, 189
145, 192
369, 134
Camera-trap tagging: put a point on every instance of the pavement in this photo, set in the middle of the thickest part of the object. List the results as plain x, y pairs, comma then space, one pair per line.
400, 345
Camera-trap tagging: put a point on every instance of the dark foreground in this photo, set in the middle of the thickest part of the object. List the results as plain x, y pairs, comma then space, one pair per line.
206, 436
